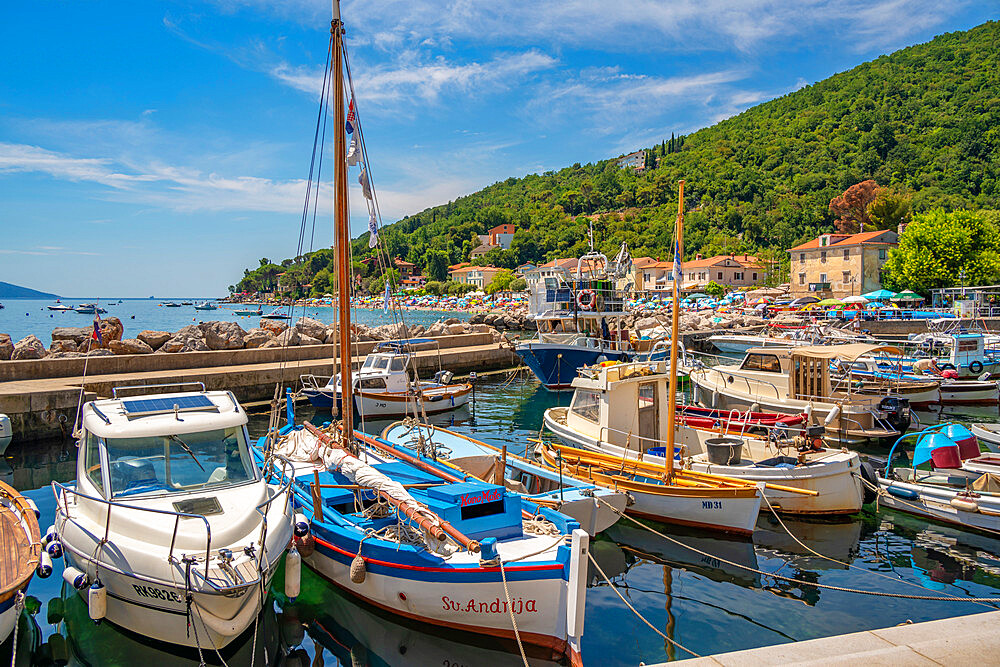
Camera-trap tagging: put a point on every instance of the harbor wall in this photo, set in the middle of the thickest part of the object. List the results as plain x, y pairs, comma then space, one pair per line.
40, 397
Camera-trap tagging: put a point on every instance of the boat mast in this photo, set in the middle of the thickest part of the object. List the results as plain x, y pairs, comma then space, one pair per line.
668, 455
342, 230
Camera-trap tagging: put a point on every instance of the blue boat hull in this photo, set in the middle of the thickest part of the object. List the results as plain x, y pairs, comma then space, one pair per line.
556, 364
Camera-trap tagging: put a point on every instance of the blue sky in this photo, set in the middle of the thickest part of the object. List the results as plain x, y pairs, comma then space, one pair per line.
161, 147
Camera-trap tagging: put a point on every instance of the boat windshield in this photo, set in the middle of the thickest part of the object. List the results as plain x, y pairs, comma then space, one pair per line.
178, 463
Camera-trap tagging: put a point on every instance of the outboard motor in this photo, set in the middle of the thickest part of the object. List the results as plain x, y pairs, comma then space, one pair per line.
896, 411
443, 377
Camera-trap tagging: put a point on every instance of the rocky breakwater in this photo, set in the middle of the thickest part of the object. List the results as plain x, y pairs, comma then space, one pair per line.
214, 335
511, 320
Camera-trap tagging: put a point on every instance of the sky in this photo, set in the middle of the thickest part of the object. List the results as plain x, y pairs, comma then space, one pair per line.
162, 147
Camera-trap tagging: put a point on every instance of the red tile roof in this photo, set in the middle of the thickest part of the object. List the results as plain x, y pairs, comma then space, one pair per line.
843, 240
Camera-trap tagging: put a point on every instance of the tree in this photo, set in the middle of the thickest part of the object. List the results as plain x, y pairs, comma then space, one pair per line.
435, 287
436, 264
937, 246
518, 285
852, 207
890, 208
714, 289
501, 282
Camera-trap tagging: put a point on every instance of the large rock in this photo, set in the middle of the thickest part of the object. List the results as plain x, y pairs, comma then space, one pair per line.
28, 347
6, 347
286, 338
130, 346
75, 334
256, 338
646, 323
456, 328
309, 340
437, 329
63, 346
311, 327
452, 320
274, 326
223, 335
154, 339
188, 339
111, 329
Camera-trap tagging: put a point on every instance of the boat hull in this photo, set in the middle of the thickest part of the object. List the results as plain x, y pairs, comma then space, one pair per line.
469, 599
970, 393
378, 405
935, 503
556, 364
8, 616
837, 483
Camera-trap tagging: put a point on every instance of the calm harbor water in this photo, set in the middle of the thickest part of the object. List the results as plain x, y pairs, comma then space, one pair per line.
22, 317
708, 603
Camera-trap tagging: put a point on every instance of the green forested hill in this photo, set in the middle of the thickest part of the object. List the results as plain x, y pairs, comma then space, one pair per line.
924, 120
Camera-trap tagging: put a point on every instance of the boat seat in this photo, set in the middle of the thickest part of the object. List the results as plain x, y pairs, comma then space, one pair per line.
129, 473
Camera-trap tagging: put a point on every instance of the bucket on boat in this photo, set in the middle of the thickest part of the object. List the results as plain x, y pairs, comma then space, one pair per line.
724, 451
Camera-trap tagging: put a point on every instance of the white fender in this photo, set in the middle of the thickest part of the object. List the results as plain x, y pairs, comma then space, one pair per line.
44, 568
75, 578
97, 601
830, 418
293, 573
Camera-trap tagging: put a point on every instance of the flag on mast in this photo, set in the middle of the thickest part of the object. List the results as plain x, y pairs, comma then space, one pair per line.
351, 117
385, 302
372, 231
677, 262
96, 335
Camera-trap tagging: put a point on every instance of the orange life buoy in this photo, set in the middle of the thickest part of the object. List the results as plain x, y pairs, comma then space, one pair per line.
586, 299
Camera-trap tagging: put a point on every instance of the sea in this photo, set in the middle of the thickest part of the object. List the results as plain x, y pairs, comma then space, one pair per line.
706, 593
23, 317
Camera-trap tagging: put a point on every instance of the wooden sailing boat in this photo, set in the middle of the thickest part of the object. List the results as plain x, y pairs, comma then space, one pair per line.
664, 493
408, 535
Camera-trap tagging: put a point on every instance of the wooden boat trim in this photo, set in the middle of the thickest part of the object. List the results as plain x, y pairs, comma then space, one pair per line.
17, 559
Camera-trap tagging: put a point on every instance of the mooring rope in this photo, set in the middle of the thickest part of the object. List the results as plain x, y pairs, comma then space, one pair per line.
510, 608
792, 580
635, 611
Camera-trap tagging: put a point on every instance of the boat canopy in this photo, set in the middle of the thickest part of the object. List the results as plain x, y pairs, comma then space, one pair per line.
848, 352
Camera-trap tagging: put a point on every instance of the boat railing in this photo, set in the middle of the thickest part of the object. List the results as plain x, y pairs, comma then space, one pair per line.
734, 374
315, 382
115, 390
772, 433
66, 491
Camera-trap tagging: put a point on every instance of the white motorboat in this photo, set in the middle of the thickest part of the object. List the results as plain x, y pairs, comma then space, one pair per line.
800, 380
988, 435
618, 410
20, 554
385, 385
170, 529
780, 336
6, 433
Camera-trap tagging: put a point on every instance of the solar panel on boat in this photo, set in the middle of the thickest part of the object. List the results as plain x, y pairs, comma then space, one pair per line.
138, 407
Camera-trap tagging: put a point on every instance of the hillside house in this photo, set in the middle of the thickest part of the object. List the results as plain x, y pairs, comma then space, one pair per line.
839, 265
480, 276
636, 160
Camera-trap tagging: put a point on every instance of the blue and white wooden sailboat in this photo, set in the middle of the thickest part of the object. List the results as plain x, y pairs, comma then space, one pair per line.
593, 507
407, 534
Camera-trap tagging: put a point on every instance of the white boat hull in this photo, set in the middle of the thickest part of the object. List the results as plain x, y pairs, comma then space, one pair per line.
435, 400
935, 503
988, 435
8, 621
837, 482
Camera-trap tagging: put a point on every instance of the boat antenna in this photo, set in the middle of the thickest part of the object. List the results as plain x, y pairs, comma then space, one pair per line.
342, 235
668, 455
590, 233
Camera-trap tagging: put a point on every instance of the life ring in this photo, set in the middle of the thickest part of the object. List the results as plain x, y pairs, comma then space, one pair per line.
976, 366
586, 299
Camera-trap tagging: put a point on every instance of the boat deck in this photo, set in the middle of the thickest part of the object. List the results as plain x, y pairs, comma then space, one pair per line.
18, 547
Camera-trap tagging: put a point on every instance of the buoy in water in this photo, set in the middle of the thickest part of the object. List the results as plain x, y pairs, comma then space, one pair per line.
293, 573
97, 601
44, 569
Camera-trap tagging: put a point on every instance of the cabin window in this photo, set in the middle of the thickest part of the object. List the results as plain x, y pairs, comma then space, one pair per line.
768, 363
380, 363
587, 404
178, 463
398, 364
368, 362
373, 383
92, 461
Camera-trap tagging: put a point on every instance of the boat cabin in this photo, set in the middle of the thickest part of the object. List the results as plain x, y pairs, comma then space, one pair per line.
154, 445
387, 368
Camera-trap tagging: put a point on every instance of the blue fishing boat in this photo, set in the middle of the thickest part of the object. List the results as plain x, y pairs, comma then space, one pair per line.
593, 507
580, 320
401, 531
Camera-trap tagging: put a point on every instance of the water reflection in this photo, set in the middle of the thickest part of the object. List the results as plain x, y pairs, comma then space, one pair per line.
356, 634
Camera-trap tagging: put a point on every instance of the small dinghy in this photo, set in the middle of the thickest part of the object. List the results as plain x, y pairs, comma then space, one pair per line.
170, 529
946, 479
594, 508
20, 555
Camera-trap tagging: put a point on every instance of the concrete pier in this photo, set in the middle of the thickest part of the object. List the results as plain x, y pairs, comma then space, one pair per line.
40, 396
962, 640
